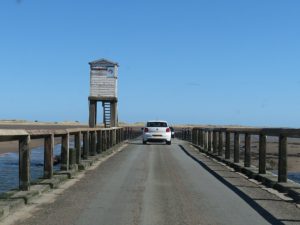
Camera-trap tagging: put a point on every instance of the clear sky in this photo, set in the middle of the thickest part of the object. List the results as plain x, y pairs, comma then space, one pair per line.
202, 61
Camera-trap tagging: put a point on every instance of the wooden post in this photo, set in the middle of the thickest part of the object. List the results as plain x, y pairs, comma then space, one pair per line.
202, 138
114, 114
215, 142
209, 141
24, 163
193, 135
126, 133
236, 147
185, 134
282, 161
103, 140
99, 141
109, 138
262, 153
65, 152
106, 139
93, 113
220, 153
78, 147
205, 140
93, 143
86, 147
130, 133
48, 156
227, 148
247, 156
119, 135
114, 137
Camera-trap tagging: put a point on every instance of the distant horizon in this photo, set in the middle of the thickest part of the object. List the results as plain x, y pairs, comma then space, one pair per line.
197, 62
16, 121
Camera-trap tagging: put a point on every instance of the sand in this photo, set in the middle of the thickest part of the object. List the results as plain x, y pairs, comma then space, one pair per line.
12, 146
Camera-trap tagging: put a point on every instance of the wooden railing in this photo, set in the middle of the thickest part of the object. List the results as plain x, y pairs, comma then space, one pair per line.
218, 141
95, 141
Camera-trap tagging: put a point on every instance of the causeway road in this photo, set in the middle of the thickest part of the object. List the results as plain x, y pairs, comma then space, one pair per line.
158, 184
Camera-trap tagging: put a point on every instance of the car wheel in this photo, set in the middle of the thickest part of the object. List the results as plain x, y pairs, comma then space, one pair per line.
144, 142
168, 142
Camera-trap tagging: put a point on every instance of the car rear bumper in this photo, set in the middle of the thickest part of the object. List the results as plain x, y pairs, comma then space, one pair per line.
156, 137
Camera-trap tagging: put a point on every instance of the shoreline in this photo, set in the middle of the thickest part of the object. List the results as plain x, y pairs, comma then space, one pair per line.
12, 146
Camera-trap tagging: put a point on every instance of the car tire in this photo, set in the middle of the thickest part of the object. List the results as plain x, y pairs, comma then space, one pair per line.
144, 142
168, 142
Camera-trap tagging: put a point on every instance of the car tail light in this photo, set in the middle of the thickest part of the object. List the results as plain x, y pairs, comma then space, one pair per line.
168, 130
146, 129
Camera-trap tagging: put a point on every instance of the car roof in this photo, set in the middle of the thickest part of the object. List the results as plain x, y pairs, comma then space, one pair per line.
157, 121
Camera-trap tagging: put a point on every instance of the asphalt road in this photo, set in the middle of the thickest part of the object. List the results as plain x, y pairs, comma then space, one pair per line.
148, 185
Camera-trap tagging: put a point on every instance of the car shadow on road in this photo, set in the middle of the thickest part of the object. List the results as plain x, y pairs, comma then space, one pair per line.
264, 213
137, 143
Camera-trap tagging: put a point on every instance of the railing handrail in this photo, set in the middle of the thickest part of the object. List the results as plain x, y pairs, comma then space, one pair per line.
95, 140
287, 132
211, 139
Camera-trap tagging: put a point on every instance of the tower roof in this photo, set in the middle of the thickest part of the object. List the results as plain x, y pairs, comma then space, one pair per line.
103, 62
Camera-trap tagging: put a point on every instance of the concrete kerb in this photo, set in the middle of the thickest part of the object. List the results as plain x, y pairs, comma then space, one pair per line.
4, 210
12, 204
294, 193
55, 181
70, 173
12, 200
28, 196
290, 188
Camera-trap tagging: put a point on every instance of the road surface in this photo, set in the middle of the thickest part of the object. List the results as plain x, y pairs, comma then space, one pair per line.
148, 185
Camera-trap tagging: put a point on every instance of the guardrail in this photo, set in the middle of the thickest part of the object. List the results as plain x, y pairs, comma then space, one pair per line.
218, 141
95, 141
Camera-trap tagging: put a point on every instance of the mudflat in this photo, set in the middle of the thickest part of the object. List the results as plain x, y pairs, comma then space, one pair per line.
12, 146
272, 144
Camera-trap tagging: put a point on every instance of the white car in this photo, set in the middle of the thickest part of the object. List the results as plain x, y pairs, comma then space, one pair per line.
157, 130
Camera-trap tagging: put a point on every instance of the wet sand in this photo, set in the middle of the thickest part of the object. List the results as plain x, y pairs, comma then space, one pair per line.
12, 146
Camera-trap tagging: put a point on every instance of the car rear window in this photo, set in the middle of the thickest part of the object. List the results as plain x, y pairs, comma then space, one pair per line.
157, 124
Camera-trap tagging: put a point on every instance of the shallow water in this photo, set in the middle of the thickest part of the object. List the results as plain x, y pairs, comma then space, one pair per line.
9, 167
294, 176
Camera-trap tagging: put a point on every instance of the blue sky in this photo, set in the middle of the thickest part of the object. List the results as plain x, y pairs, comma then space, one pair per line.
204, 61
